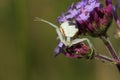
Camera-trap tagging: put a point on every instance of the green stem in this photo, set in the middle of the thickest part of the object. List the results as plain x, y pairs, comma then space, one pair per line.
103, 58
111, 50
109, 46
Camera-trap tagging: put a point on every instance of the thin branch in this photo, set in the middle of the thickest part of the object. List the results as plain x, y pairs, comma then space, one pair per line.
103, 58
109, 47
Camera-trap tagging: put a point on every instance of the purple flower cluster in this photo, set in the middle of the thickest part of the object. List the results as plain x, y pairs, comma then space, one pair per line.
90, 17
79, 11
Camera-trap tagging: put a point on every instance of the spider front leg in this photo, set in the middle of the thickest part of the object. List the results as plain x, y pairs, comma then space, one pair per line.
53, 25
75, 41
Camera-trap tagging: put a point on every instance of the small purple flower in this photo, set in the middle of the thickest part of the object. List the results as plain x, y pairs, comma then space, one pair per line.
59, 49
62, 18
80, 4
91, 5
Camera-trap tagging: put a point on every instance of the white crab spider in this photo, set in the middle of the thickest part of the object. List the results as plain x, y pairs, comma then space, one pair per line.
66, 32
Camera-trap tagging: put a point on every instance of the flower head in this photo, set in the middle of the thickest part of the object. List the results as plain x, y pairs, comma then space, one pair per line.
76, 51
89, 16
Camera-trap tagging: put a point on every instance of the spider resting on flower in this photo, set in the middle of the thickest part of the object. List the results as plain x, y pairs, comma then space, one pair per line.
67, 32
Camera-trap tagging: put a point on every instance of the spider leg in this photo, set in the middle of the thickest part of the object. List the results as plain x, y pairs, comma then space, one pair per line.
53, 25
81, 40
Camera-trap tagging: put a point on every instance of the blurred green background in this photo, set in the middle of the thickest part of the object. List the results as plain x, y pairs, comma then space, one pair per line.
26, 46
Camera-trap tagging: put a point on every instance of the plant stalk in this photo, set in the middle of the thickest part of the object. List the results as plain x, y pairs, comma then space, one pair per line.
109, 46
103, 58
111, 50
